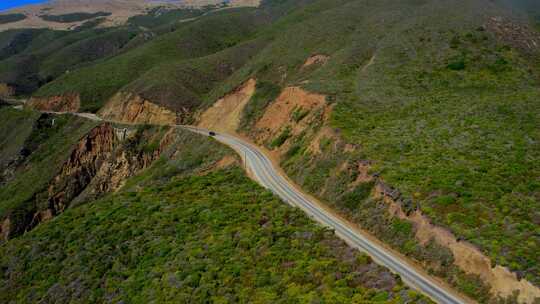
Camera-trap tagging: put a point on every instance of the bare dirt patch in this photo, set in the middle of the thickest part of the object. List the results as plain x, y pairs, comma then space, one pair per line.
326, 133
280, 112
225, 114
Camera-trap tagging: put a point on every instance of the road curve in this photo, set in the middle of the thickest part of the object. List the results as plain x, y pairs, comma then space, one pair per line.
269, 177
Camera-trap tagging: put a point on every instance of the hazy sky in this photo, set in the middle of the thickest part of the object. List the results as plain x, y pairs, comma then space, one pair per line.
6, 4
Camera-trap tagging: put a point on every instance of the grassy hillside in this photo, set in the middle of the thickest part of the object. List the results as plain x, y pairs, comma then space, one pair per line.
191, 239
205, 44
31, 58
445, 106
199, 38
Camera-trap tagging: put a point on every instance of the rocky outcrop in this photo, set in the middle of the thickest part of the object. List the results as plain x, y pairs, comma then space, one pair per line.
99, 163
131, 108
69, 102
123, 164
81, 167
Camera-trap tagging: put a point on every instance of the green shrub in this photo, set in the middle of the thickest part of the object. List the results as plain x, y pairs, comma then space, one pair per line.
457, 65
353, 199
282, 138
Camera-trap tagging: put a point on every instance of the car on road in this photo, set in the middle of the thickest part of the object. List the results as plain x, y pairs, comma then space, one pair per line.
212, 133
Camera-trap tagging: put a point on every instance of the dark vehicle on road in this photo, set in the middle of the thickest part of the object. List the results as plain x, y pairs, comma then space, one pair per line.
212, 133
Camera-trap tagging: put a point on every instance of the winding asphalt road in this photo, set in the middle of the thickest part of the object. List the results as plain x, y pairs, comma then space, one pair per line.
269, 177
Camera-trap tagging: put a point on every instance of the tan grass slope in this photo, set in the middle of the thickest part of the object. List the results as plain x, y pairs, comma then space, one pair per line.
225, 114
121, 10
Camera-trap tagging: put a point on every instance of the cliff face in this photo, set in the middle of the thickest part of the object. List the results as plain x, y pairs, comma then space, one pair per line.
99, 163
132, 108
81, 167
61, 103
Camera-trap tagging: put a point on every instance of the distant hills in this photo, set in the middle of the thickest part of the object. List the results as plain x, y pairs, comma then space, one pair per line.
68, 14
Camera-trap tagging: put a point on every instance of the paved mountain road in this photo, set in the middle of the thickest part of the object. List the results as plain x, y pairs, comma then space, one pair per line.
264, 172
269, 177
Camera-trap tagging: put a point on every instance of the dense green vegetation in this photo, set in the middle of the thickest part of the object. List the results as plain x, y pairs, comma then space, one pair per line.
448, 113
9, 18
460, 135
73, 17
441, 102
211, 238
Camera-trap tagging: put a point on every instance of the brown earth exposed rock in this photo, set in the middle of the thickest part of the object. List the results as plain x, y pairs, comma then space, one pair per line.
325, 133
62, 103
225, 114
41, 217
99, 163
131, 108
123, 164
466, 256
81, 167
279, 114
225, 162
